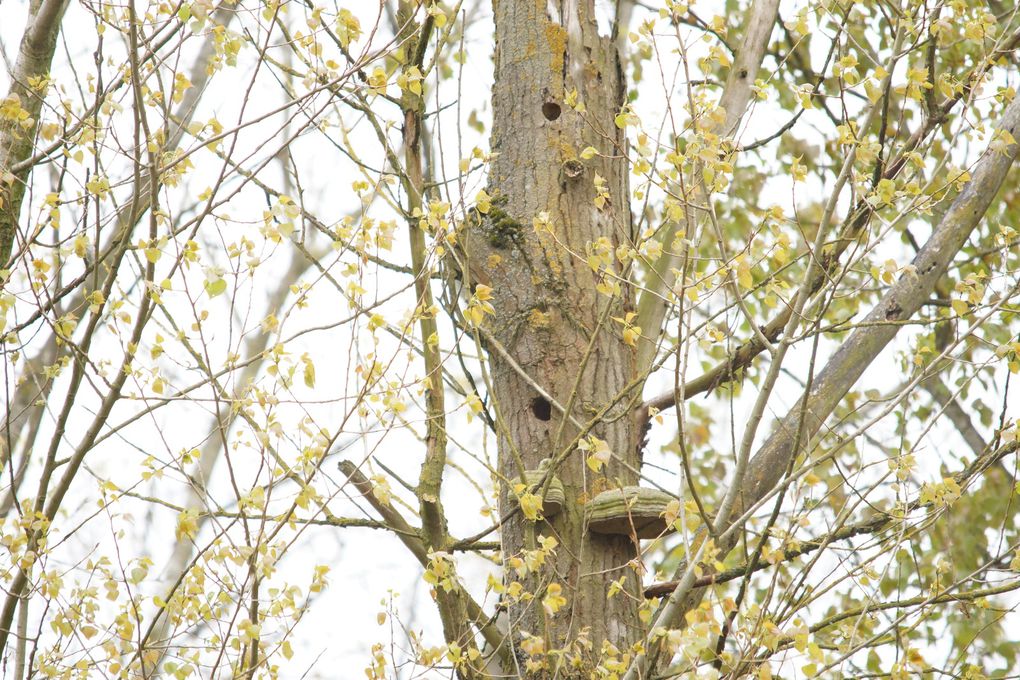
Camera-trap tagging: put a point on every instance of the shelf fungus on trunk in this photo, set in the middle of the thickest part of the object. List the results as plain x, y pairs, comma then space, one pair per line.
629, 510
554, 498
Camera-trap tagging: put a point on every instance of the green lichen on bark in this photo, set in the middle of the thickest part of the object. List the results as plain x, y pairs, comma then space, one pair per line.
501, 230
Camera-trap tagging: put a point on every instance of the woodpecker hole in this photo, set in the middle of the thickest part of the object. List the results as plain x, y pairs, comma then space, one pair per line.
572, 168
541, 408
551, 110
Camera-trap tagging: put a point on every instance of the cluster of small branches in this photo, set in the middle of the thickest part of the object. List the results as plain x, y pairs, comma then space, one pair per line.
241, 327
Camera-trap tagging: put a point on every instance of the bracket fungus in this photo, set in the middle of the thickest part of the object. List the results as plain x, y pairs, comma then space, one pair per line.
632, 509
553, 500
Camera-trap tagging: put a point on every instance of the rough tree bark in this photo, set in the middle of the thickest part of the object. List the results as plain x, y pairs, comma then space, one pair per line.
560, 332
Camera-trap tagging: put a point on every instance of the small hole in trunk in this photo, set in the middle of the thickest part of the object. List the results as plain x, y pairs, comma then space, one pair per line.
541, 408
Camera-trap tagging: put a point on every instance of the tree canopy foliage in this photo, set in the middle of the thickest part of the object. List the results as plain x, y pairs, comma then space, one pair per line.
566, 339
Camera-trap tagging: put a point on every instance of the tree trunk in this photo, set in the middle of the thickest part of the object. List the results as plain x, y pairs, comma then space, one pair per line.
549, 317
17, 135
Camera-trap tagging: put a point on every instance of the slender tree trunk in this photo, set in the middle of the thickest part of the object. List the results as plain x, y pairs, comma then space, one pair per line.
549, 318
